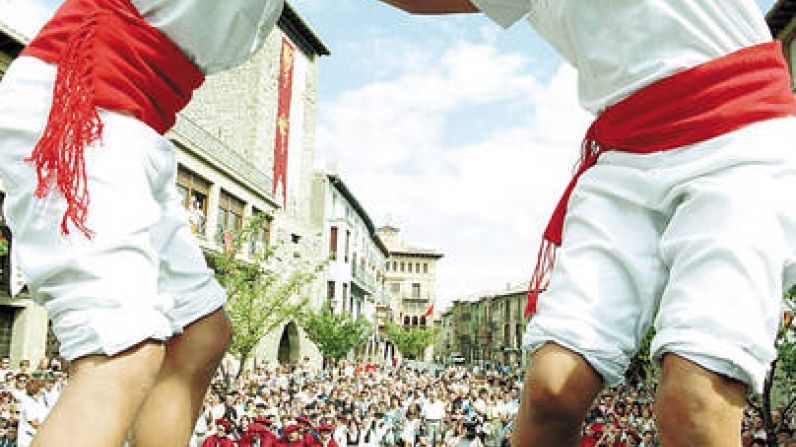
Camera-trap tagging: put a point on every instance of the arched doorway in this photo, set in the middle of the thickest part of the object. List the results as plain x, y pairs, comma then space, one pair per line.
289, 344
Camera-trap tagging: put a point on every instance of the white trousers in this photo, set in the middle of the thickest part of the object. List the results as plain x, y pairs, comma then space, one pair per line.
696, 241
142, 275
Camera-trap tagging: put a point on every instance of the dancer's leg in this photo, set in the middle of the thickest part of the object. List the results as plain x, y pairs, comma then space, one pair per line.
559, 389
168, 415
101, 399
696, 407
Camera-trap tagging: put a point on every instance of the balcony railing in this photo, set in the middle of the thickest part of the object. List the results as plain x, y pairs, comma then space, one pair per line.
365, 279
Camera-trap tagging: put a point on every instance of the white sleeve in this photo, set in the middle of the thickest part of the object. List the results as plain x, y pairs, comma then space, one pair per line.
504, 12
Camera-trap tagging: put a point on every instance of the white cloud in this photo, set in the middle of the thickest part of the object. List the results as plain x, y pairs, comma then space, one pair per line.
25, 16
484, 202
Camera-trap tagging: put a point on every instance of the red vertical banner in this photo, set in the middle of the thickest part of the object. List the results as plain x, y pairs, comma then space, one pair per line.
284, 97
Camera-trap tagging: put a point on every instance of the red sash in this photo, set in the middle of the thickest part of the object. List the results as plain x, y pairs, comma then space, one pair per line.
689, 107
108, 57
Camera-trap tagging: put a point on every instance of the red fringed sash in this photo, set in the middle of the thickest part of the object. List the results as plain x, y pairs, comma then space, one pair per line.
695, 105
108, 57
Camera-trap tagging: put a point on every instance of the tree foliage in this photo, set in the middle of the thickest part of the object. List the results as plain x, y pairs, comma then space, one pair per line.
779, 389
263, 293
335, 334
641, 369
412, 341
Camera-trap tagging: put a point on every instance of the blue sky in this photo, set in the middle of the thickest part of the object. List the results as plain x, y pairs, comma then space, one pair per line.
456, 131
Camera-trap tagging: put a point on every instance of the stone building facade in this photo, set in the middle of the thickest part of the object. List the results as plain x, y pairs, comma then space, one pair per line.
410, 284
485, 328
226, 146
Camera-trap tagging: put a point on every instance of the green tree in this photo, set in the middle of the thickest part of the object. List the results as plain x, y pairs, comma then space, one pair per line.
641, 369
263, 293
335, 334
412, 341
779, 389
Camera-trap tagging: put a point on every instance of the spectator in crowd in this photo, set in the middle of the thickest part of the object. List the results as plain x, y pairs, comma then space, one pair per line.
33, 411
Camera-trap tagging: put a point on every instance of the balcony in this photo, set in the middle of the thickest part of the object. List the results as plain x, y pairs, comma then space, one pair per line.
415, 300
363, 279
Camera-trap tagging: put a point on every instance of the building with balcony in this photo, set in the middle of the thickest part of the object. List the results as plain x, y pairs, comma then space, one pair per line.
411, 279
239, 154
354, 278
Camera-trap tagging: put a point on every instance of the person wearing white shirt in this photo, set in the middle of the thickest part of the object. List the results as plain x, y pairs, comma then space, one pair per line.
32, 412
657, 231
143, 336
433, 411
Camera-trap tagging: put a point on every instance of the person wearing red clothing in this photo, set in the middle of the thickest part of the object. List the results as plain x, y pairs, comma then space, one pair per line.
325, 432
221, 437
593, 433
255, 436
83, 113
677, 219
291, 437
306, 427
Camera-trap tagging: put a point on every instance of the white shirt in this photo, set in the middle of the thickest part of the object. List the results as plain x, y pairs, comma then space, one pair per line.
620, 46
30, 410
433, 410
214, 34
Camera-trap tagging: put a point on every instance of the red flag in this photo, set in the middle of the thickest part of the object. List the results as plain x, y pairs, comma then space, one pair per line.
429, 312
285, 94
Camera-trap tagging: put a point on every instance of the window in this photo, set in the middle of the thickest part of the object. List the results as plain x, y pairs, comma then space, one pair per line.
403, 267
394, 266
345, 296
395, 287
347, 243
333, 244
409, 266
261, 238
230, 217
417, 268
407, 321
425, 267
414, 321
193, 191
416, 291
330, 285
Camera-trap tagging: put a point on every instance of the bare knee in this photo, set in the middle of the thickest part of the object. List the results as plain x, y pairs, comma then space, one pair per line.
561, 387
695, 404
552, 404
202, 345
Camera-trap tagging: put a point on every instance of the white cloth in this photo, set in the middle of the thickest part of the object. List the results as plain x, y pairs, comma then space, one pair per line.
30, 410
214, 34
142, 275
702, 233
433, 410
619, 46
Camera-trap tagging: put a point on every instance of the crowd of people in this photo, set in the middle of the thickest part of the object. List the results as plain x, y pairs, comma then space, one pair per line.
352, 404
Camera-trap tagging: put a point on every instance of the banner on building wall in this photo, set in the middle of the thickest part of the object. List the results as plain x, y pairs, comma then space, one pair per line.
284, 96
